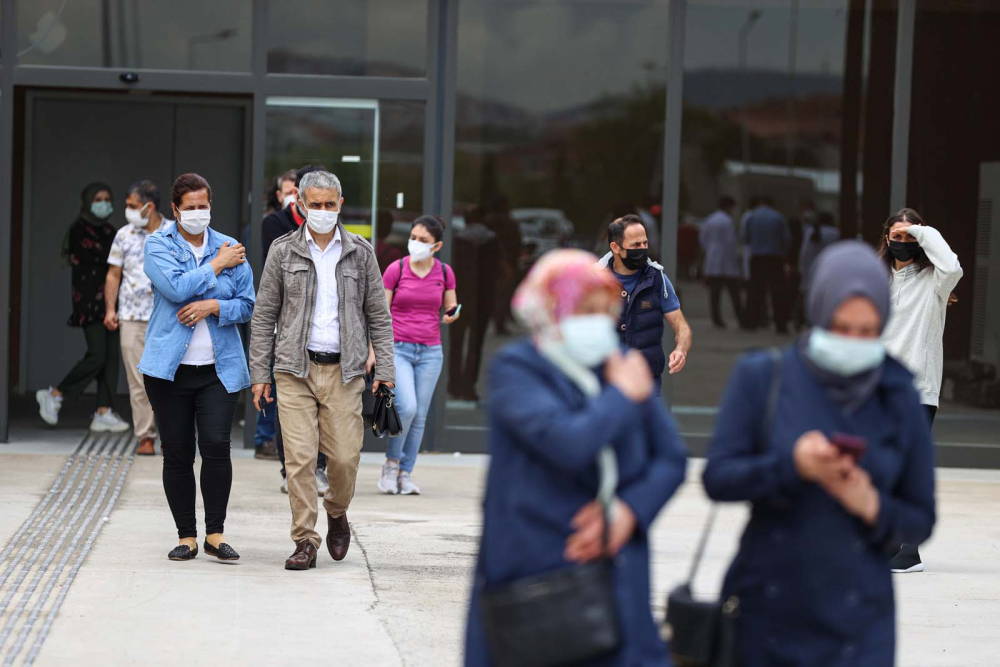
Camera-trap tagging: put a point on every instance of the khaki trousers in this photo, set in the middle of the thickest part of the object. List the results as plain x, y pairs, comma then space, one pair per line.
133, 335
319, 413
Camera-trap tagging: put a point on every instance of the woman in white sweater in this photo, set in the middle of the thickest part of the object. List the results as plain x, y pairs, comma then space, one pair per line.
923, 271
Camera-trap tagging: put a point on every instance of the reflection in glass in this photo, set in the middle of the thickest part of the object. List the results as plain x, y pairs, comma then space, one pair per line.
363, 142
180, 35
763, 125
348, 37
554, 138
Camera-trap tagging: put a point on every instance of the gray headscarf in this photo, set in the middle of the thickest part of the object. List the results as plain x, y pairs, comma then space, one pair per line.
843, 270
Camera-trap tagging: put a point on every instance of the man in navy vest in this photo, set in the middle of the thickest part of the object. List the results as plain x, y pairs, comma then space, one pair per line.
650, 299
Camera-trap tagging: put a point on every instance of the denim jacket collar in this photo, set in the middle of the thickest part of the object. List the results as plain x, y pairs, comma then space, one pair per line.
213, 240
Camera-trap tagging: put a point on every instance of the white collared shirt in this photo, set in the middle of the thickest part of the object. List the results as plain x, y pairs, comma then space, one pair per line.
325, 333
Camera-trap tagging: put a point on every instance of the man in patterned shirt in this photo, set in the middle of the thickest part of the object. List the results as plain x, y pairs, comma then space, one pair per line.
129, 298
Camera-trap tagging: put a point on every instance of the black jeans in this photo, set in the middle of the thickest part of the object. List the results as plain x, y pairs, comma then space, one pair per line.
196, 397
715, 287
767, 276
911, 549
99, 363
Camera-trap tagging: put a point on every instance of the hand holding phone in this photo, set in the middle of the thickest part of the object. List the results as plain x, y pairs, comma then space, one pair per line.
453, 311
852, 445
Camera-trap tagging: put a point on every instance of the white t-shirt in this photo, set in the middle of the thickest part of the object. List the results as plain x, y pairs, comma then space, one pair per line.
200, 351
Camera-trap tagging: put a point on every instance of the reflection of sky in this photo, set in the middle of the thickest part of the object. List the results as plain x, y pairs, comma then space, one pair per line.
557, 54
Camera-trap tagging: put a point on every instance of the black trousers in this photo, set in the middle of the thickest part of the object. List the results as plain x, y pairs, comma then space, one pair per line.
911, 549
100, 363
715, 286
196, 398
767, 276
467, 336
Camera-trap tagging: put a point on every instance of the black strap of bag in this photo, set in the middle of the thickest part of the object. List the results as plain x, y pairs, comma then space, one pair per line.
702, 633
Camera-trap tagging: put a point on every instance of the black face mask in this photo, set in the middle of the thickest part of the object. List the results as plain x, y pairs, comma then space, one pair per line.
904, 251
635, 258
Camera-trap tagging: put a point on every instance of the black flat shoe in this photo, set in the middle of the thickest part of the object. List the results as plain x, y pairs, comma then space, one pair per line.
183, 552
224, 552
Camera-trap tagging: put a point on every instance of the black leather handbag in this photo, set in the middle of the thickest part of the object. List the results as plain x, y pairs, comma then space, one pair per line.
703, 633
385, 418
561, 617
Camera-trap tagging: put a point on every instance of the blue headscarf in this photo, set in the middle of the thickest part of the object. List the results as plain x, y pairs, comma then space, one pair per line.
844, 270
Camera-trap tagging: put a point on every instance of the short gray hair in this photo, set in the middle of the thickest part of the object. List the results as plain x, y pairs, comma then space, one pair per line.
322, 180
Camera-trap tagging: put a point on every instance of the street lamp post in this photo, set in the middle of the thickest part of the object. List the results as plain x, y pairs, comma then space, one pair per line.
744, 131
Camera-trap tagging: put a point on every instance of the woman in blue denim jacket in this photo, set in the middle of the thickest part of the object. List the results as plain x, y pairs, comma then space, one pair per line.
194, 365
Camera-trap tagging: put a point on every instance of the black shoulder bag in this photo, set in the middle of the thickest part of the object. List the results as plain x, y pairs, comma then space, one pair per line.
379, 410
561, 617
703, 634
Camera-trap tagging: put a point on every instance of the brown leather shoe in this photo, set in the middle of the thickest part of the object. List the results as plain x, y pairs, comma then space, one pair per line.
303, 558
266, 452
146, 447
338, 536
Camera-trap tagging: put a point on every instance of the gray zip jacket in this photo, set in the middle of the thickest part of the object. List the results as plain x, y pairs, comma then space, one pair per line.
287, 298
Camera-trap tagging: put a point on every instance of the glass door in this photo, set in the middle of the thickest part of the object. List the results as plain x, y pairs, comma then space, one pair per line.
339, 134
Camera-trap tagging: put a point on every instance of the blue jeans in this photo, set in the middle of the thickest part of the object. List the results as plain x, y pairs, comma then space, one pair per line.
265, 422
417, 370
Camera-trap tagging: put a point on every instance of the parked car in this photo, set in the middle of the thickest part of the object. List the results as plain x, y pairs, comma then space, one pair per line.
542, 229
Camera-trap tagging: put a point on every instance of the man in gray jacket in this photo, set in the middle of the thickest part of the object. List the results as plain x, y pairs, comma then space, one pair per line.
322, 302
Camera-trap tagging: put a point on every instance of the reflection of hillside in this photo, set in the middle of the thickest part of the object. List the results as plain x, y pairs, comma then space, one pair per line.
285, 61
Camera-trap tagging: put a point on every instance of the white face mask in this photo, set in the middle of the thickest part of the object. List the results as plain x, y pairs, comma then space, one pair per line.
288, 201
320, 221
590, 339
844, 355
195, 222
419, 251
135, 217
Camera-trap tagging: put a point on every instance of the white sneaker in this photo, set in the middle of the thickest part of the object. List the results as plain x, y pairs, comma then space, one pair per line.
48, 405
322, 483
406, 485
109, 421
284, 485
389, 481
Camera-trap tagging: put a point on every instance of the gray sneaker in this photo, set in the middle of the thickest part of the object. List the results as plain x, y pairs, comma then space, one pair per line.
406, 485
389, 481
322, 483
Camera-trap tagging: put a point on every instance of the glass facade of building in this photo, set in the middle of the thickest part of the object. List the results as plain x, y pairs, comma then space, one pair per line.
528, 125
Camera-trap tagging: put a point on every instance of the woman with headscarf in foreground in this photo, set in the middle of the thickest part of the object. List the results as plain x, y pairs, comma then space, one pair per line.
556, 400
839, 474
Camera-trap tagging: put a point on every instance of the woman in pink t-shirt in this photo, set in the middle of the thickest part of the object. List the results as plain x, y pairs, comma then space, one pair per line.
416, 287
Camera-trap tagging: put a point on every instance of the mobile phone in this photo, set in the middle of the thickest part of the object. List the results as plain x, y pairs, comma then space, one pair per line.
452, 312
852, 445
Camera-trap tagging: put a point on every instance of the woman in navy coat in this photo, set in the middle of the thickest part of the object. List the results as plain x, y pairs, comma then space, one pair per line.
812, 573
549, 416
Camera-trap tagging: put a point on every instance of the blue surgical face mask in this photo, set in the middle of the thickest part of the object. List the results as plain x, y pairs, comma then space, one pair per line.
101, 209
844, 355
590, 339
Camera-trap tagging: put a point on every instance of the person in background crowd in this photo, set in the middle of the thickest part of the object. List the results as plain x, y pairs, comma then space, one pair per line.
767, 236
282, 199
722, 261
129, 300
417, 288
923, 271
86, 247
508, 233
816, 236
193, 362
322, 289
384, 252
555, 401
648, 297
811, 573
796, 228
477, 259
269, 443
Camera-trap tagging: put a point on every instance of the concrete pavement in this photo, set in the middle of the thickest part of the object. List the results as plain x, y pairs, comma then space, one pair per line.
400, 597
